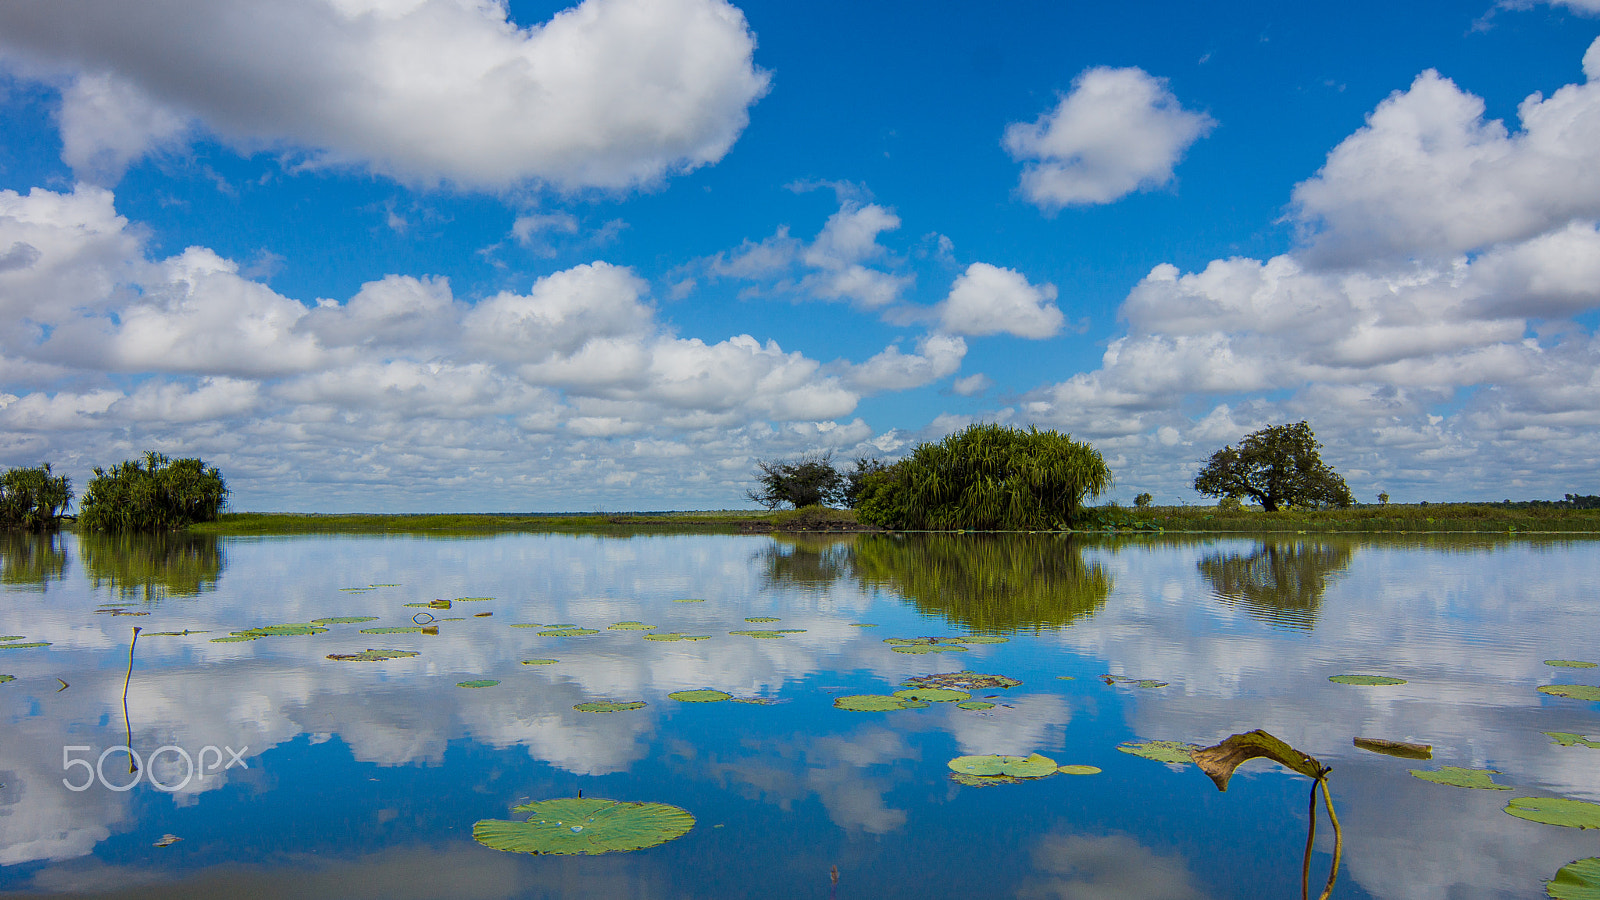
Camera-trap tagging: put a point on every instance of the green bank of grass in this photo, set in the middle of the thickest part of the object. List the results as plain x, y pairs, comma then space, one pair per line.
1389, 518
456, 523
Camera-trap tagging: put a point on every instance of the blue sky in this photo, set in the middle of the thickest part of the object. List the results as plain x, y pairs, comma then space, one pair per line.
410, 255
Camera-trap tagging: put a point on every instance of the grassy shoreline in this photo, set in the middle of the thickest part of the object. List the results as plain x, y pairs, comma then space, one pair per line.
1391, 518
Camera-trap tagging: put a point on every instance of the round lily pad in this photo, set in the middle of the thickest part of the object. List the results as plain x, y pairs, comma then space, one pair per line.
1570, 663
863, 624
1032, 766
24, 646
344, 620
472, 599
675, 636
408, 629
1078, 770
479, 683
568, 632
706, 695
1161, 751
761, 619
526, 625
982, 780
370, 655
1556, 811
537, 662
630, 626
1569, 739
933, 695
1575, 691
1365, 679
293, 628
609, 706
763, 635
975, 704
875, 703
584, 825
1577, 880
1459, 777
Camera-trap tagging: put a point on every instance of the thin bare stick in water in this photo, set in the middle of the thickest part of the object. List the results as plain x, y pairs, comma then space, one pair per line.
132, 767
1311, 835
1338, 839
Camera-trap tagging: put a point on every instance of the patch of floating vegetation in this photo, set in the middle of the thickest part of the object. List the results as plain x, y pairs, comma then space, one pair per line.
704, 695
12, 637
5, 679
965, 680
609, 706
584, 825
355, 590
1577, 880
1368, 680
759, 701
691, 600
676, 636
1575, 691
472, 599
985, 639
1078, 770
763, 635
394, 629
976, 770
1455, 776
1402, 749
933, 695
1570, 663
1556, 811
526, 625
1175, 752
1136, 682
235, 638
1568, 739
975, 705
482, 615
630, 626
184, 633
344, 620
1067, 677
568, 632
371, 655
537, 662
877, 703
762, 619
477, 683
863, 624
251, 634
388, 584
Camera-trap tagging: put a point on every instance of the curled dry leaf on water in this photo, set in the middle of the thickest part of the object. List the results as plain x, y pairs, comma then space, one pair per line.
478, 683
1220, 761
1556, 811
1174, 752
584, 825
1570, 663
1574, 691
1366, 680
1577, 880
482, 615
1455, 776
609, 706
1402, 749
371, 655
1568, 739
704, 695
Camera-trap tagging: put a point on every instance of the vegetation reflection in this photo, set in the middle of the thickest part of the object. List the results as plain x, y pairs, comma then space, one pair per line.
31, 560
1280, 582
148, 567
807, 560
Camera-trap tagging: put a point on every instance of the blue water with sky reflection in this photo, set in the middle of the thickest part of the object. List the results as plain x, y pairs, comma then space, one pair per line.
364, 779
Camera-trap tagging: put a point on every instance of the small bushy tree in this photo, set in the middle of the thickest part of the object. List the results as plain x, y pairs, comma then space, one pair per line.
34, 498
1275, 466
1143, 500
157, 494
811, 481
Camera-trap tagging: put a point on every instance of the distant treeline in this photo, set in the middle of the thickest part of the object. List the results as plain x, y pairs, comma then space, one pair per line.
1573, 501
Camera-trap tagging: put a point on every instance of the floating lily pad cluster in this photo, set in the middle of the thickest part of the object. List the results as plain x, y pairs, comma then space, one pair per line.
988, 770
251, 634
584, 825
630, 626
1568, 739
961, 681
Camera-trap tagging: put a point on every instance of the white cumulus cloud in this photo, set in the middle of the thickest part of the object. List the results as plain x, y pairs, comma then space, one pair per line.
987, 299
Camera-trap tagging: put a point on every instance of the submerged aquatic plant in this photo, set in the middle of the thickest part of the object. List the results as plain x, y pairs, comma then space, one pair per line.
584, 825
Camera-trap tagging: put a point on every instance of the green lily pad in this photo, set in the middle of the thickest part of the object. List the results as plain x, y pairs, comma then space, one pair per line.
24, 646
933, 695
537, 662
1568, 739
1570, 663
675, 636
761, 619
919, 649
1556, 811
295, 628
236, 638
763, 635
984, 639
584, 825
1577, 880
568, 632
344, 620
1033, 766
1365, 679
479, 683
370, 655
876, 703
1136, 682
630, 626
706, 695
1176, 752
609, 706
408, 629
1459, 777
184, 633
982, 780
791, 631
691, 600
387, 584
1078, 770
472, 599
759, 701
1575, 691
526, 625
961, 681
975, 704
7, 678
11, 637
863, 624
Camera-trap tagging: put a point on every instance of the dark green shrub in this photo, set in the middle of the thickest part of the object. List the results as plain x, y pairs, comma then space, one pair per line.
33, 498
158, 494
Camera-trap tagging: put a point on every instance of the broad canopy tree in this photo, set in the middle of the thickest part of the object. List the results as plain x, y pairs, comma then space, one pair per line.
811, 481
1275, 466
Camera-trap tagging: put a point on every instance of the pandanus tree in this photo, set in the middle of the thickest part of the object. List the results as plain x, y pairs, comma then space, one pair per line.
156, 494
33, 499
987, 477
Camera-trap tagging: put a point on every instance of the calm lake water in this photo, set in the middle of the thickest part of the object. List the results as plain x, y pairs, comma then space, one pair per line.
364, 778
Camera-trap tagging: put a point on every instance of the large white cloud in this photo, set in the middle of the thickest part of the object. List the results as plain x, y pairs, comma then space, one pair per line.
610, 93
1117, 131
987, 299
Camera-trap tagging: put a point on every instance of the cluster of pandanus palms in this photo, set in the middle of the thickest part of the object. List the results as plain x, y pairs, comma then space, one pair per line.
157, 493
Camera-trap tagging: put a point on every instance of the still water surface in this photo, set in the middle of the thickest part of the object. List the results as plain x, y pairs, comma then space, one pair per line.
364, 779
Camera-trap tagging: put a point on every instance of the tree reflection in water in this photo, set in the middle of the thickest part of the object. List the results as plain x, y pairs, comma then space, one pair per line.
148, 567
31, 561
807, 560
1280, 581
